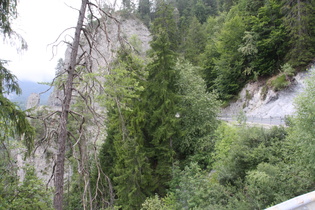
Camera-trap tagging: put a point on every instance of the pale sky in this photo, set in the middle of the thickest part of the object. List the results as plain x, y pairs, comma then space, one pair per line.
40, 22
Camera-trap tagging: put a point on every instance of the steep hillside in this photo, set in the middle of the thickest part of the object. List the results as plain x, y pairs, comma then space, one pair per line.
258, 101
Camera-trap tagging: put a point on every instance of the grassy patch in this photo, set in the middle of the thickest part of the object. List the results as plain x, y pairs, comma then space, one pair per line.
248, 96
282, 80
279, 82
264, 92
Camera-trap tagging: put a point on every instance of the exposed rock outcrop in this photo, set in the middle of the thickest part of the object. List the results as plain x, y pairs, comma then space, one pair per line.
54, 99
33, 101
106, 43
257, 100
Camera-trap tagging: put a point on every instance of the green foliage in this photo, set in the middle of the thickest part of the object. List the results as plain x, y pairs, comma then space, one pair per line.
266, 185
279, 82
264, 92
224, 135
13, 121
252, 147
29, 194
136, 43
288, 70
267, 34
9, 83
241, 118
144, 130
253, 169
211, 54
163, 116
123, 156
74, 188
251, 6
190, 12
195, 42
283, 79
122, 83
271, 38
192, 187
200, 11
8, 12
198, 111
299, 22
226, 5
144, 10
156, 203
228, 66
302, 133
161, 103
102, 182
249, 46
165, 20
224, 62
259, 167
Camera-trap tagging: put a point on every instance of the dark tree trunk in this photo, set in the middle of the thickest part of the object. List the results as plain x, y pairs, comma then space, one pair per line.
62, 138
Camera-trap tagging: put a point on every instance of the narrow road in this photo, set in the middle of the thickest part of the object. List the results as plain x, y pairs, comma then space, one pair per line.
256, 120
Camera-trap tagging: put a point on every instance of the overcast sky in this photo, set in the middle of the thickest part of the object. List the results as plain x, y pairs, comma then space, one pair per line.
40, 22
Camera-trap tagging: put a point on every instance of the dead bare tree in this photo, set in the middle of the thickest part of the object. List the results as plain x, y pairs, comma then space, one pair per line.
63, 133
84, 58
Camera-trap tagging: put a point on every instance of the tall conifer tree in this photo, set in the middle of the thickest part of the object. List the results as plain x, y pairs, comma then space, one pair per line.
270, 38
161, 101
300, 22
195, 42
166, 20
123, 155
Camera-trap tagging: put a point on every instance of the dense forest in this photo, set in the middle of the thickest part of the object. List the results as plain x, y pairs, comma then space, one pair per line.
163, 146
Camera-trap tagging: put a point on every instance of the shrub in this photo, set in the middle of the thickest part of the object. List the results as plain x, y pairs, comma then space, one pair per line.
156, 203
279, 83
264, 92
288, 70
282, 80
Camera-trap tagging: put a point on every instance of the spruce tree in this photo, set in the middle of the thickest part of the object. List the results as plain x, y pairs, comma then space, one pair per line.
144, 10
270, 38
198, 117
166, 20
161, 106
123, 156
195, 42
161, 99
300, 22
229, 66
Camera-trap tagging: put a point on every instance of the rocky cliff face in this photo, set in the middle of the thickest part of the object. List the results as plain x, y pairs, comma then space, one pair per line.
257, 100
106, 42
33, 101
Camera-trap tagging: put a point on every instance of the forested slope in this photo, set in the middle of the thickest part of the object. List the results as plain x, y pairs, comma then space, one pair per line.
142, 128
166, 144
